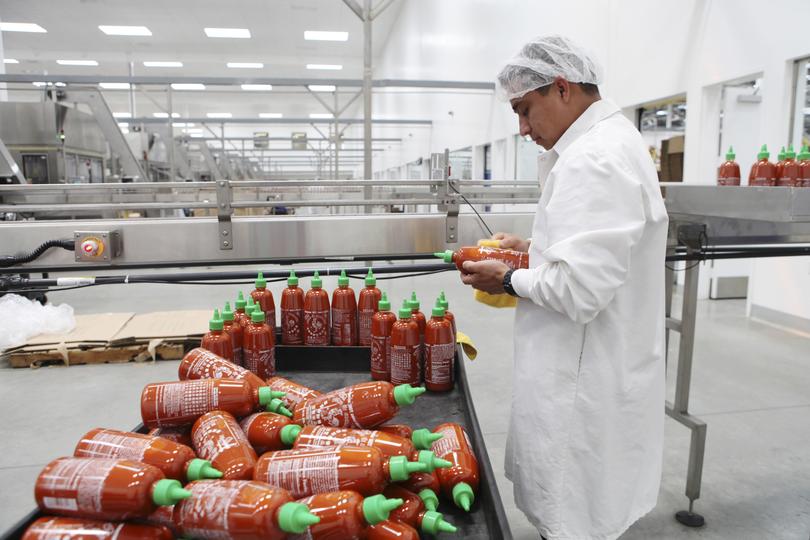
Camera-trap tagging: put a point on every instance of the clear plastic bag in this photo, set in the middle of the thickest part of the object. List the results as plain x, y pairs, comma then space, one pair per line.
23, 319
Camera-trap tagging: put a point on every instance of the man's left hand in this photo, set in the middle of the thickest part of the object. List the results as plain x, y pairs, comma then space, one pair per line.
485, 276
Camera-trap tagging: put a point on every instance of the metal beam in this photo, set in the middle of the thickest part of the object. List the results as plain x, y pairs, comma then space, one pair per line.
12, 165
287, 139
354, 6
378, 121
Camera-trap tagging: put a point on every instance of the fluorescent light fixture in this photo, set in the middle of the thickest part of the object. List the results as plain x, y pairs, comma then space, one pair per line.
258, 87
188, 86
21, 27
114, 85
242, 33
316, 35
162, 64
165, 115
77, 62
245, 65
125, 30
219, 115
321, 116
271, 115
10, 61
59, 84
123, 124
124, 130
38, 83
325, 66
122, 115
183, 124
321, 87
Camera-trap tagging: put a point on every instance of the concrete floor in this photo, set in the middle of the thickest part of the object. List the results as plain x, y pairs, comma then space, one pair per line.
751, 384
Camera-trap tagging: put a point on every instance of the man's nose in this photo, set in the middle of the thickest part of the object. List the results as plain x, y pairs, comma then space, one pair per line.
525, 129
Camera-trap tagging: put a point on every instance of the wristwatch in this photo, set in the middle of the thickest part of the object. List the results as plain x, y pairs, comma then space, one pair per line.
507, 283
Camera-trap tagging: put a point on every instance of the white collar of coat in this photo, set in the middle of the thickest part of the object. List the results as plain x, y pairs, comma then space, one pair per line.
598, 111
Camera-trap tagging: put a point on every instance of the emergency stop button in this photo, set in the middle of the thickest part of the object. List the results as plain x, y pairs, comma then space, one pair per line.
96, 246
90, 247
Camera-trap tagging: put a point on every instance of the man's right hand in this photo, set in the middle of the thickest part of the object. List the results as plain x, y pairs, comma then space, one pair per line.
511, 241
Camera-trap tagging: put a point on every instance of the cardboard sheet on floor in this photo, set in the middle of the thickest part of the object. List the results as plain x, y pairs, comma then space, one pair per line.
166, 325
91, 330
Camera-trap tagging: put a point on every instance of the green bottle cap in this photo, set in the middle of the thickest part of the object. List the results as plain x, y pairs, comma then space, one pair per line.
260, 282
377, 508
240, 301
289, 433
791, 153
781, 155
423, 438
292, 281
405, 394
277, 406
405, 312
200, 469
430, 499
805, 153
431, 461
447, 256
443, 301
257, 316
250, 304
414, 302
763, 152
730, 155
437, 311
343, 280
216, 322
384, 304
434, 523
400, 469
266, 395
316, 282
168, 492
295, 518
227, 313
370, 279
463, 496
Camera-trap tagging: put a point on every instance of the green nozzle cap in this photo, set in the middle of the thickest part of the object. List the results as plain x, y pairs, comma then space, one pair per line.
240, 301
370, 279
805, 153
316, 282
377, 508
292, 281
430, 499
199, 469
405, 394
791, 153
781, 155
277, 406
405, 312
384, 304
343, 280
423, 438
447, 256
216, 322
443, 301
257, 315
260, 282
763, 152
290, 433
463, 496
295, 518
437, 311
168, 492
227, 312
432, 462
400, 469
250, 304
266, 395
730, 155
434, 523
413, 302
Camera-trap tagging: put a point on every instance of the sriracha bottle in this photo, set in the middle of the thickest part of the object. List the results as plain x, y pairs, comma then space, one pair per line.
763, 172
447, 314
392, 530
235, 331
381, 324
240, 510
512, 259
239, 315
364, 405
413, 512
269, 431
728, 174
309, 471
780, 163
294, 393
61, 528
346, 515
180, 435
788, 175
175, 461
264, 299
201, 364
316, 314
405, 349
420, 319
440, 352
246, 320
804, 167
344, 313
460, 481
292, 312
427, 486
259, 346
367, 305
218, 438
98, 488
216, 340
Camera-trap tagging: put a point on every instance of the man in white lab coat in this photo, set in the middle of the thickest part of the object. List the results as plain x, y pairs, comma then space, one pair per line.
585, 441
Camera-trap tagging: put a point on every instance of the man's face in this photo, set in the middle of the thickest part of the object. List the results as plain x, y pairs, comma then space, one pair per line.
544, 118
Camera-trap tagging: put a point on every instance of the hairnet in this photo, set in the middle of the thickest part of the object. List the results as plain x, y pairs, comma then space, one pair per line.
543, 59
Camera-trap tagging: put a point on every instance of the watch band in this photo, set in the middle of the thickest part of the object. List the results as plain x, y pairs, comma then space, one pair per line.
507, 283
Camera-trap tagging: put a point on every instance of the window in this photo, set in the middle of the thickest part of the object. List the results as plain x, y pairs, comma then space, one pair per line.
800, 124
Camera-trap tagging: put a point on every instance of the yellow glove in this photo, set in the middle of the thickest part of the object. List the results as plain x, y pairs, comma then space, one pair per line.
466, 343
502, 300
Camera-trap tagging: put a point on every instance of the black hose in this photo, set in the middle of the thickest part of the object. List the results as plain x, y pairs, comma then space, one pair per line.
13, 260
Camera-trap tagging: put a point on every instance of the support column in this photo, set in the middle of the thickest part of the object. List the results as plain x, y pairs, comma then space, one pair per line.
367, 52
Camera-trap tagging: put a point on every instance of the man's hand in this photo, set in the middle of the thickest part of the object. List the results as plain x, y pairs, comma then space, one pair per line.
485, 276
511, 241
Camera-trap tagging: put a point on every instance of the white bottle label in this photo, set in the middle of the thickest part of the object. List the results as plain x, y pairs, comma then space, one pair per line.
303, 475
111, 444
334, 409
205, 514
184, 401
80, 482
440, 358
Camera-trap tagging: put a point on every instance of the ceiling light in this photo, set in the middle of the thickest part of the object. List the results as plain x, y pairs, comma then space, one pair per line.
321, 115
257, 87
123, 124
163, 64
182, 124
219, 115
321, 87
77, 62
315, 35
243, 33
21, 27
165, 115
39, 83
125, 30
10, 61
324, 66
114, 85
188, 86
122, 115
246, 65
270, 115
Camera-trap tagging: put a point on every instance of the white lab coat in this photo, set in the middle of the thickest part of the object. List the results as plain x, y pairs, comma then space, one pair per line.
585, 441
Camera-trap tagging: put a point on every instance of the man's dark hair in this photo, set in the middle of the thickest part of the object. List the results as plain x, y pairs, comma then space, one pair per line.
589, 89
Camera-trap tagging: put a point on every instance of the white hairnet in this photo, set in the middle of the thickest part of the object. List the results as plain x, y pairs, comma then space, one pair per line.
543, 59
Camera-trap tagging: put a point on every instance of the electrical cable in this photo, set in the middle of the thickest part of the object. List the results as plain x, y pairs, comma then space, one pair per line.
12, 260
484, 223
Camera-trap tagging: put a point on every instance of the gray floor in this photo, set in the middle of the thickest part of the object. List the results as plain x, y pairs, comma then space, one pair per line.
751, 384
